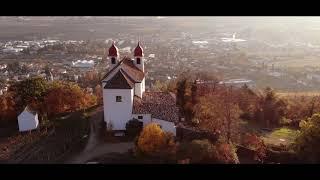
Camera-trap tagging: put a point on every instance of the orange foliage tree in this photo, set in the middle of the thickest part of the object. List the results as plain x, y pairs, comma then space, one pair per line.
154, 141
225, 153
257, 144
7, 108
63, 97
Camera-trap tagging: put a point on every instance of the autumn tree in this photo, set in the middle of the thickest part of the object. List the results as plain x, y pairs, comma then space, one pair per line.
154, 141
8, 111
225, 153
219, 112
301, 107
307, 143
62, 97
257, 144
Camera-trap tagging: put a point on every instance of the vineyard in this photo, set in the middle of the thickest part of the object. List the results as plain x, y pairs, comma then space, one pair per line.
65, 135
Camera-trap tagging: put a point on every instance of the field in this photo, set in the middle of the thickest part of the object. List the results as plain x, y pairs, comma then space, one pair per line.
297, 63
292, 94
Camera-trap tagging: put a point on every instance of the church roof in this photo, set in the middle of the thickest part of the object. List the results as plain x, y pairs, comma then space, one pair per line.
160, 105
30, 110
128, 68
119, 81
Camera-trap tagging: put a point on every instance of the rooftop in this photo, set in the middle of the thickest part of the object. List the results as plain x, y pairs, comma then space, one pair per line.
119, 81
127, 66
160, 105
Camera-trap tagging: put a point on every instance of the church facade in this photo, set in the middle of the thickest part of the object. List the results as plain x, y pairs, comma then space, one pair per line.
125, 97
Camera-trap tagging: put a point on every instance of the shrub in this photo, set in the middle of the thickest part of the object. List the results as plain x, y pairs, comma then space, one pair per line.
257, 144
134, 127
153, 141
203, 151
198, 151
225, 153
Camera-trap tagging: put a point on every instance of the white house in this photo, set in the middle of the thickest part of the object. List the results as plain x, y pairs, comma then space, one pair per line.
124, 96
83, 63
28, 120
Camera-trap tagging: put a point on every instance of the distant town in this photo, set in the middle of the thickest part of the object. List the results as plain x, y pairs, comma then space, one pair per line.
69, 59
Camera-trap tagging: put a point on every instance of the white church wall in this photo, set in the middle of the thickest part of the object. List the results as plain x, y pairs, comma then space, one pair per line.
166, 125
138, 89
27, 121
143, 87
117, 113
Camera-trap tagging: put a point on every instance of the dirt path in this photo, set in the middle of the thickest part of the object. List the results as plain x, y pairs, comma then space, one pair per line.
95, 147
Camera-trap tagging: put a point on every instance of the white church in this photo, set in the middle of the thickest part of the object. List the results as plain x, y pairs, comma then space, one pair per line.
125, 98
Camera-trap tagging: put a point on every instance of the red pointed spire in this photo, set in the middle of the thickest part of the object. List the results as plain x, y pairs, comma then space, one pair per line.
138, 51
113, 50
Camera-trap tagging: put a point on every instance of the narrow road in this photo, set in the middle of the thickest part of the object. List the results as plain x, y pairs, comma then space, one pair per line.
95, 147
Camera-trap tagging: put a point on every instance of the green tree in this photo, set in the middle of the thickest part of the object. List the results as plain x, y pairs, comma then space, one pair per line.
270, 108
30, 89
181, 92
307, 143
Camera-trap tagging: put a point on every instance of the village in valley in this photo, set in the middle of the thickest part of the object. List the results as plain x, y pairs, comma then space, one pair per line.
157, 95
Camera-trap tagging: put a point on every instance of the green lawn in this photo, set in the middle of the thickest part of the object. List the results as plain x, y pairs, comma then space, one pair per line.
276, 137
279, 136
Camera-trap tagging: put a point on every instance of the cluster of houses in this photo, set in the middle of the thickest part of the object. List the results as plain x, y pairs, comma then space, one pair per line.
16, 47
